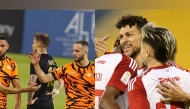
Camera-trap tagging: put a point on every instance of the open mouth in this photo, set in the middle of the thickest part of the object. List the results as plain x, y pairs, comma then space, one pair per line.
126, 47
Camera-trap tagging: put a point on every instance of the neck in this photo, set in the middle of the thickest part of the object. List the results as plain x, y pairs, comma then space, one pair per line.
154, 63
139, 61
42, 51
84, 62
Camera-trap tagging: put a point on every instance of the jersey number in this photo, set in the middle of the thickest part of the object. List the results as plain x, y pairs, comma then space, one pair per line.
50, 84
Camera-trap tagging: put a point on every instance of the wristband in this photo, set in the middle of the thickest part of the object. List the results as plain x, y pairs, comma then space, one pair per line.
56, 91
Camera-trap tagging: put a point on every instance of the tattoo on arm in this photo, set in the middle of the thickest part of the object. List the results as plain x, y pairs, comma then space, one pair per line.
32, 80
59, 84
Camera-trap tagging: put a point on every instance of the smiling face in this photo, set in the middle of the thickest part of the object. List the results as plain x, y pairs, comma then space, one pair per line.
130, 40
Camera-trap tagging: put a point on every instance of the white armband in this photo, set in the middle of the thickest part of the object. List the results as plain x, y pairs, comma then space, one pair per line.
56, 91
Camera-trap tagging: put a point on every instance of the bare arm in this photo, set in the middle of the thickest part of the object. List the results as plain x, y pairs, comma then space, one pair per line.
10, 90
44, 78
58, 88
108, 99
16, 84
32, 80
173, 93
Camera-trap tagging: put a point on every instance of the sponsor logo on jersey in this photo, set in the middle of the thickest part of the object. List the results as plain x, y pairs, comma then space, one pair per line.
100, 62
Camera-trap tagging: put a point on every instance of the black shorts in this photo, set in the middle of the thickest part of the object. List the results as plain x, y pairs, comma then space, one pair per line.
38, 105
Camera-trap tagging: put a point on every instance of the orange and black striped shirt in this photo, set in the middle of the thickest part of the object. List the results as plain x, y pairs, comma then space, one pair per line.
79, 85
8, 71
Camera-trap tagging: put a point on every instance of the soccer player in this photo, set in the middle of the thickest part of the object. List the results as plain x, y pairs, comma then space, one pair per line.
157, 46
129, 43
78, 77
42, 99
120, 71
8, 73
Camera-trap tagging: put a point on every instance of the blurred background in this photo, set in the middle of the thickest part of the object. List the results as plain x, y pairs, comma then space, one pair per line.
177, 21
64, 27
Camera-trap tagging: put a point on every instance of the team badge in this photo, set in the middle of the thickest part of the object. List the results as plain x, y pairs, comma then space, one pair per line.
88, 75
125, 78
8, 67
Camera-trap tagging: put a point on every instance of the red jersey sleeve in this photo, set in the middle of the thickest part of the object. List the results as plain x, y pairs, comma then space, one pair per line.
124, 71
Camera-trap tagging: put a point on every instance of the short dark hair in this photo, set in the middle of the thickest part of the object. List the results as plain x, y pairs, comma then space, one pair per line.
83, 43
43, 38
131, 20
2, 37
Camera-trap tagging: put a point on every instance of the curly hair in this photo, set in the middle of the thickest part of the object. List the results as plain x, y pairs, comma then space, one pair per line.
131, 21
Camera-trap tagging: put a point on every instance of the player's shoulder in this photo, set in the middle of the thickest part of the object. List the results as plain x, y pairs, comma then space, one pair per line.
9, 60
68, 64
172, 63
91, 64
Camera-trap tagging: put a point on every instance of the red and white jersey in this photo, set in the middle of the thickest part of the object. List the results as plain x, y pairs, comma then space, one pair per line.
141, 71
113, 69
142, 90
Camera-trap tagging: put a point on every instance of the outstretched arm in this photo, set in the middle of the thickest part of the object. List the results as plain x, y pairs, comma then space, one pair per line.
173, 93
10, 90
44, 78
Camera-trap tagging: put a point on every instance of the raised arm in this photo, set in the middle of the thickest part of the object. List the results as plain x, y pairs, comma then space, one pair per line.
44, 78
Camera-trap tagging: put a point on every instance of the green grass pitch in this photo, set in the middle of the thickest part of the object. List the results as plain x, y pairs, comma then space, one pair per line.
23, 64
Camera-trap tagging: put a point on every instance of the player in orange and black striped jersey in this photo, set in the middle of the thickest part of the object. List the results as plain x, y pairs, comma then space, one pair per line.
79, 80
42, 98
8, 73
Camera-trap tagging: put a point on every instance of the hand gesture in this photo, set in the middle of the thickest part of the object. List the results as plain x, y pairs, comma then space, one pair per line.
34, 58
100, 44
32, 88
171, 93
32, 102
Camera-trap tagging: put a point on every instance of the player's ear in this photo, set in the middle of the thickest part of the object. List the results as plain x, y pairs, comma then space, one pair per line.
7, 46
38, 44
148, 52
86, 52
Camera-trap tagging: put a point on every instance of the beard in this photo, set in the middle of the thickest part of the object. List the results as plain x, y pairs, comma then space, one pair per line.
132, 53
79, 59
1, 56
